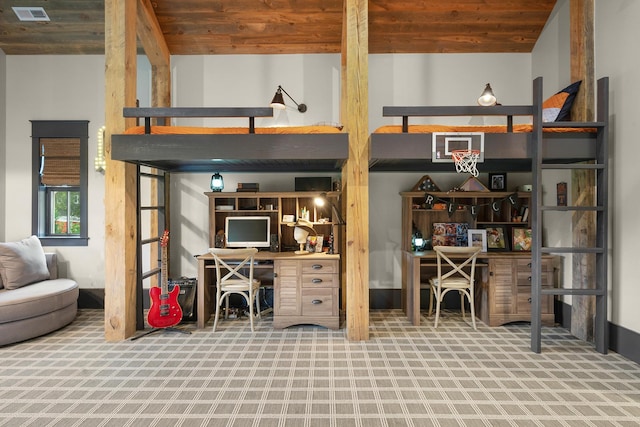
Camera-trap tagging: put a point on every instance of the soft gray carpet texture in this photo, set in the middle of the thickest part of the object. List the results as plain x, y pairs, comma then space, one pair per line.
311, 376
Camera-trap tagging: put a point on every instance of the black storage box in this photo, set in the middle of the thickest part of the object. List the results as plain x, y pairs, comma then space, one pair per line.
318, 183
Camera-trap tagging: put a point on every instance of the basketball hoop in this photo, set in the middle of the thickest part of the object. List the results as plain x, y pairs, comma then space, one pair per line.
466, 161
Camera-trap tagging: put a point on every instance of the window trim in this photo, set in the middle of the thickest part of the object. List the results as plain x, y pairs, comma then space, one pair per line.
60, 129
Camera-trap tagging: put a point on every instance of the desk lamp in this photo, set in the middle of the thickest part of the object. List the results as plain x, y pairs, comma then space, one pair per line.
337, 219
322, 200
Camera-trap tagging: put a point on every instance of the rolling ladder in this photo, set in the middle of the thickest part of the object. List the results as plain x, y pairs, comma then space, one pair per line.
600, 250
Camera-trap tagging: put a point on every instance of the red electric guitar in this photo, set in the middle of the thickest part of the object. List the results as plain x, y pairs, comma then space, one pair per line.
165, 310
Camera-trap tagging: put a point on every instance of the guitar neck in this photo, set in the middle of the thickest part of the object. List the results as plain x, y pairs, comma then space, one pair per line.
164, 281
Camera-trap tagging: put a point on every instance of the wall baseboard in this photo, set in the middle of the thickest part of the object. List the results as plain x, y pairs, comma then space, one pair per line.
621, 340
91, 298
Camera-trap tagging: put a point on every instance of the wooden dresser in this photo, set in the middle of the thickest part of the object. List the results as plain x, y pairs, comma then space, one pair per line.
505, 295
306, 291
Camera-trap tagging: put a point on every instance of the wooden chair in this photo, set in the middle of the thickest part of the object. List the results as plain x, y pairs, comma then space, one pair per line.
231, 278
452, 276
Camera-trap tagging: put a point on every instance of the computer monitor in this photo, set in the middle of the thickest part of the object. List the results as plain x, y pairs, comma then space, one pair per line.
248, 231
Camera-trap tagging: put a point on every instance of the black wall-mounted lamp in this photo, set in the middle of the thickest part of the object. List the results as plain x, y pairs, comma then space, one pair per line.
278, 101
487, 99
217, 183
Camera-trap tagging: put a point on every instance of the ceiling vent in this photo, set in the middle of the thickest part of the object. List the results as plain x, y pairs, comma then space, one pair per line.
31, 13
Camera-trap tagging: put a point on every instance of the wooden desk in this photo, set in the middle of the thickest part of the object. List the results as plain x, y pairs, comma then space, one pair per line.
502, 292
298, 297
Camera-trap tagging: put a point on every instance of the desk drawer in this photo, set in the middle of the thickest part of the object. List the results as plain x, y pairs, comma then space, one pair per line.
320, 302
319, 280
320, 266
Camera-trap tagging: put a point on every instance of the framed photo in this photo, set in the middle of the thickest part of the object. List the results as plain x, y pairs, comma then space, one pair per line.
521, 239
498, 181
497, 238
312, 243
477, 238
561, 189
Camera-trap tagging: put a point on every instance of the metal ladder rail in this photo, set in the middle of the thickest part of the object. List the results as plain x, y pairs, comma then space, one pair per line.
600, 249
163, 224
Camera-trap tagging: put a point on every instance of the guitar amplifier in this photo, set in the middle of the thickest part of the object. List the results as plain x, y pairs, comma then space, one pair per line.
186, 297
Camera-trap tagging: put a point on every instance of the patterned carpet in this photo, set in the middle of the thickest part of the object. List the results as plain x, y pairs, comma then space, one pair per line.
311, 376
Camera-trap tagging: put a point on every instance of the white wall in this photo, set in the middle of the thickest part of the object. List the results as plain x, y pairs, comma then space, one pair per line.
3, 141
445, 79
616, 32
54, 88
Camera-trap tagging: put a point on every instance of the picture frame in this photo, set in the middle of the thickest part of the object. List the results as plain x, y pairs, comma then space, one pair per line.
497, 238
561, 193
477, 237
522, 239
498, 181
312, 243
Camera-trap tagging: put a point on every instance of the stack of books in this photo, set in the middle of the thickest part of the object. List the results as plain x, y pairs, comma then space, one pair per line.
248, 187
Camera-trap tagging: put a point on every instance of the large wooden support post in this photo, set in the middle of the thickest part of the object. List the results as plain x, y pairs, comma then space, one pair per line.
354, 110
160, 97
583, 181
120, 177
157, 51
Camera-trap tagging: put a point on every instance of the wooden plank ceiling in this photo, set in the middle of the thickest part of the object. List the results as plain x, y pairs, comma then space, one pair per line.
203, 27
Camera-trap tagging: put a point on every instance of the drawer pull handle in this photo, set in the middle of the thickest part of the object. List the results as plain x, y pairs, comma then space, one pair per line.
316, 301
529, 265
529, 300
316, 280
529, 278
316, 266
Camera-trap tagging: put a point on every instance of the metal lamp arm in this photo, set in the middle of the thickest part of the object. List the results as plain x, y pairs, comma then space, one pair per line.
301, 107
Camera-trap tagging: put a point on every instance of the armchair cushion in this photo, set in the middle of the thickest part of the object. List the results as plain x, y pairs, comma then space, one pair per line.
22, 263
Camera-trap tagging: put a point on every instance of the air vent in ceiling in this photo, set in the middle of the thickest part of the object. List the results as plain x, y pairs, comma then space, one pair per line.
31, 13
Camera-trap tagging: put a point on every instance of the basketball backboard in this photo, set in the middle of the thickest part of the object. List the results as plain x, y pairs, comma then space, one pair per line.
443, 143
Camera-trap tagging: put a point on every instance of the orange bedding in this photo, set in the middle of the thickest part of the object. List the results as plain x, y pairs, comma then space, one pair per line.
486, 129
191, 130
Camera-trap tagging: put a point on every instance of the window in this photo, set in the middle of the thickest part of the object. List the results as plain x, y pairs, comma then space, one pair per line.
60, 182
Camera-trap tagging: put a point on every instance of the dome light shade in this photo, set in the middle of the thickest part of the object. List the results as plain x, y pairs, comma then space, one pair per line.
487, 99
278, 101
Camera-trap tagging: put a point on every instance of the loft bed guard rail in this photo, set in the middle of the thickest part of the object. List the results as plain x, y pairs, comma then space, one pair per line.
163, 113
506, 148
310, 148
498, 110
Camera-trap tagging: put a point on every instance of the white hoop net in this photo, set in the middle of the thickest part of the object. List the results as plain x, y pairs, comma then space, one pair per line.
466, 161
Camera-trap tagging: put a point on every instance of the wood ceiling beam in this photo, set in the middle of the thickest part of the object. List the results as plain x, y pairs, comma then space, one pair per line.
150, 35
354, 110
120, 177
